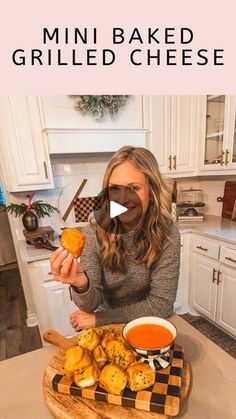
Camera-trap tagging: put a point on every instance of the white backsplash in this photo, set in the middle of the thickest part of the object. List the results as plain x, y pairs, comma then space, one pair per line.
212, 187
70, 171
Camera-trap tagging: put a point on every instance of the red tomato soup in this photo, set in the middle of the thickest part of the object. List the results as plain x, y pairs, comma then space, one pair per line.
149, 336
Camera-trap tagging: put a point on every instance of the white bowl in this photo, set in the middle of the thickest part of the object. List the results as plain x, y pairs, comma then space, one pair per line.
144, 352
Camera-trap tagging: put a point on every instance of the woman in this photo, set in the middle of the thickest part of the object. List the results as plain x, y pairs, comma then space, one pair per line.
130, 268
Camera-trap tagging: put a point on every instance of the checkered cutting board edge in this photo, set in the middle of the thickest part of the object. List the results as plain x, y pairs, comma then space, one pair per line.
84, 206
163, 397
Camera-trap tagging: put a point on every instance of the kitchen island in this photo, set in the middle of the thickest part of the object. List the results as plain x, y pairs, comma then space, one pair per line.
212, 394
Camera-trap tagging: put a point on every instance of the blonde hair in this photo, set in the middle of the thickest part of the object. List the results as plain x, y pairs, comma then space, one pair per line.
150, 236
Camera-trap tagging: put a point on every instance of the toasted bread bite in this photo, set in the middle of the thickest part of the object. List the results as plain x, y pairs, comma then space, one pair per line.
100, 355
140, 376
89, 339
87, 377
113, 379
73, 357
119, 354
73, 241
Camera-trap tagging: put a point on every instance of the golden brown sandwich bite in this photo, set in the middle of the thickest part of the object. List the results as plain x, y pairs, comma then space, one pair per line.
73, 241
87, 377
140, 376
113, 379
88, 339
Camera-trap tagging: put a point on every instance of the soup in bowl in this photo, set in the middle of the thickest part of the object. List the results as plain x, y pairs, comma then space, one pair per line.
150, 336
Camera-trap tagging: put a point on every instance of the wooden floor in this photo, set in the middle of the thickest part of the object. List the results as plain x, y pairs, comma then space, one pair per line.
15, 337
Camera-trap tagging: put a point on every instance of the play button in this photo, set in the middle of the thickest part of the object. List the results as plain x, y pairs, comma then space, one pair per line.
116, 209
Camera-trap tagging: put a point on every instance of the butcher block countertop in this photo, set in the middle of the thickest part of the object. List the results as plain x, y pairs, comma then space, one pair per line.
212, 394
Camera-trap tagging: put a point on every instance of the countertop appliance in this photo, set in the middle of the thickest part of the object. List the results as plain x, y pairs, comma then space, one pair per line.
190, 201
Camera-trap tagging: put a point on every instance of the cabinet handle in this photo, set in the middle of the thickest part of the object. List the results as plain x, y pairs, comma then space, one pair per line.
45, 169
226, 157
170, 162
174, 164
230, 259
213, 276
218, 277
202, 248
222, 158
70, 294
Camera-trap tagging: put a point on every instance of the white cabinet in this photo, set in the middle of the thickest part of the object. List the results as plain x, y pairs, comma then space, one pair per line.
52, 299
218, 135
213, 281
172, 123
225, 315
203, 289
25, 159
181, 305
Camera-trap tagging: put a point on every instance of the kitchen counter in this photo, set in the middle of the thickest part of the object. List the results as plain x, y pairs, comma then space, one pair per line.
213, 380
214, 227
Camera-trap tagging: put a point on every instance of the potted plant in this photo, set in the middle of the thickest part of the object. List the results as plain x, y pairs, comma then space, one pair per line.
30, 211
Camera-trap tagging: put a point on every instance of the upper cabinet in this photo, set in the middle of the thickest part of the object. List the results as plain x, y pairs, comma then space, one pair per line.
218, 126
24, 156
173, 129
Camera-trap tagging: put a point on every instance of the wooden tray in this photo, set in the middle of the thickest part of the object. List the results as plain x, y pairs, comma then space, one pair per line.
164, 398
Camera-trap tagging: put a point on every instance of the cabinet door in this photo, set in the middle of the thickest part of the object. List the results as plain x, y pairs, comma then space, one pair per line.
230, 143
172, 125
218, 139
157, 114
226, 314
183, 134
203, 285
26, 163
60, 306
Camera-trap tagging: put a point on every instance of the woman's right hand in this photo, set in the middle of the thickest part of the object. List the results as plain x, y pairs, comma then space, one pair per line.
67, 270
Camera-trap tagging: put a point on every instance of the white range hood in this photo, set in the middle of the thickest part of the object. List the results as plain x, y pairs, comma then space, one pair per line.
70, 141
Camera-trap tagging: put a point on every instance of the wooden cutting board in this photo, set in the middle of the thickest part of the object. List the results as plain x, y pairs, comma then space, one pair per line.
70, 406
228, 199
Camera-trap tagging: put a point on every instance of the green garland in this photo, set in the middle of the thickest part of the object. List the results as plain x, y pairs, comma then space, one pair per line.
100, 106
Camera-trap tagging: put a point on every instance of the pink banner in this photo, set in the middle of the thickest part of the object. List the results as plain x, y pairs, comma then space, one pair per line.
148, 47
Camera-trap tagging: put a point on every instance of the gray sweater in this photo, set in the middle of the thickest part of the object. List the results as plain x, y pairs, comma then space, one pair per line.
139, 292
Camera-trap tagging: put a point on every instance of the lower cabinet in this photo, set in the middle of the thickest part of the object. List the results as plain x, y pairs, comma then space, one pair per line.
203, 294
226, 313
52, 299
213, 283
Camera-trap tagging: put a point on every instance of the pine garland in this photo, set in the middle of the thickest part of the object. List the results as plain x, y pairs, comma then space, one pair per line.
38, 207
100, 106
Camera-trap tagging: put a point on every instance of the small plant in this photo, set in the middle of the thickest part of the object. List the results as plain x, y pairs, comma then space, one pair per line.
39, 208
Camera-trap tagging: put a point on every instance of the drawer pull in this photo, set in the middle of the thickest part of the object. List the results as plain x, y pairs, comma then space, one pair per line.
230, 259
218, 277
213, 276
202, 248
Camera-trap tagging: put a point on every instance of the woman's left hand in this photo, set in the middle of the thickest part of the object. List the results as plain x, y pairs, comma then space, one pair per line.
82, 320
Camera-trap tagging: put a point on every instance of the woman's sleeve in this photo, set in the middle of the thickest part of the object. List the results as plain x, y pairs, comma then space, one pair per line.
90, 262
163, 288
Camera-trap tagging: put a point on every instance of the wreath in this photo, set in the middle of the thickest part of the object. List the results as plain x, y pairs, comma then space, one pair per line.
100, 106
